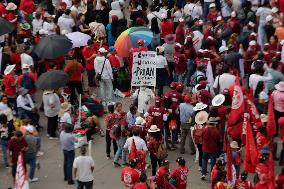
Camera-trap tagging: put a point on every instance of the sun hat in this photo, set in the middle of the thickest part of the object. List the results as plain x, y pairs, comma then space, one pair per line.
140, 121
212, 5
170, 38
9, 69
199, 106
263, 118
23, 91
223, 49
252, 43
274, 10
25, 26
201, 117
234, 144
280, 86
213, 120
65, 106
153, 129
11, 6
218, 100
102, 50
269, 18
233, 14
42, 32
30, 128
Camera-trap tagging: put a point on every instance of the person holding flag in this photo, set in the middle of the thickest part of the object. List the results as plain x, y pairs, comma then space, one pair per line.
242, 183
129, 175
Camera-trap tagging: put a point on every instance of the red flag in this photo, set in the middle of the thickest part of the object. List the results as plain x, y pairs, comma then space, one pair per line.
229, 160
254, 114
250, 159
271, 125
235, 119
21, 181
133, 151
271, 180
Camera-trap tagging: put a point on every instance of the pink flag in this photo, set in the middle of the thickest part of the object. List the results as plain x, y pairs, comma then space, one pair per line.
21, 181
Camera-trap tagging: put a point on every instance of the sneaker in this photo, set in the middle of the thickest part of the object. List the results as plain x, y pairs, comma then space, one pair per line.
108, 157
39, 154
53, 138
116, 164
33, 180
70, 182
202, 177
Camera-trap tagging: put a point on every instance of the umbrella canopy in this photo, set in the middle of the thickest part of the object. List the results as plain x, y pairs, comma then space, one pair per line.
6, 26
128, 39
78, 39
52, 80
53, 46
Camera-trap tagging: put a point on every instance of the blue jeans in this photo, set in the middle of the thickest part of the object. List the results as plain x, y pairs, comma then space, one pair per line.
120, 151
205, 158
30, 159
23, 114
4, 144
261, 34
68, 164
178, 77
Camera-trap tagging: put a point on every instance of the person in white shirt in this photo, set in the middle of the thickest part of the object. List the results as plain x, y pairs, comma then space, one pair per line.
65, 113
162, 70
116, 10
154, 14
257, 76
144, 96
83, 169
25, 104
193, 9
224, 81
48, 24
66, 22
37, 23
139, 142
26, 59
103, 68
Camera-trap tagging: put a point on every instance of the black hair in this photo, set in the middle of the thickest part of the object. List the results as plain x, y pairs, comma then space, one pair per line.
274, 64
258, 89
67, 11
181, 161
156, 135
83, 150
98, 19
154, 26
132, 108
133, 163
135, 131
79, 16
226, 68
18, 134
114, 25
3, 119
143, 177
68, 128
110, 108
282, 171
213, 111
244, 176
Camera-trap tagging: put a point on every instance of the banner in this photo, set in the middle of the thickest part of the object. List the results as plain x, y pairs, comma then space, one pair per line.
144, 69
21, 181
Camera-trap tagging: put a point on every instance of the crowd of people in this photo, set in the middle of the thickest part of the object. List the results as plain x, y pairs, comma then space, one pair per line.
219, 83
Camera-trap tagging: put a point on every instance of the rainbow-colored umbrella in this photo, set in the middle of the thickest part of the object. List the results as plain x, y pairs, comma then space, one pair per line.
128, 39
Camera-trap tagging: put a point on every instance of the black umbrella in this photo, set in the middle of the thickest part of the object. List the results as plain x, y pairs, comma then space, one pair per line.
5, 26
52, 80
53, 46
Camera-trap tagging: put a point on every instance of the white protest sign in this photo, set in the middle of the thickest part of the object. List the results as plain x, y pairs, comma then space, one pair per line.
144, 69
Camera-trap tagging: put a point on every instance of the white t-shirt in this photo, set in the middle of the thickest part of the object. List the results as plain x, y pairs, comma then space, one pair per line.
49, 27
161, 61
177, 15
139, 142
225, 81
263, 12
83, 164
254, 79
66, 118
26, 59
37, 25
195, 10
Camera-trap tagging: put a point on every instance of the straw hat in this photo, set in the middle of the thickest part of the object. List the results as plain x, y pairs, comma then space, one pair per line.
218, 100
199, 106
263, 118
25, 26
153, 129
201, 117
234, 144
65, 106
140, 121
9, 69
280, 86
11, 6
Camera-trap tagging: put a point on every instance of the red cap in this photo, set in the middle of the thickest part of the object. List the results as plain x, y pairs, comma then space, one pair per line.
141, 42
173, 85
187, 98
63, 4
179, 87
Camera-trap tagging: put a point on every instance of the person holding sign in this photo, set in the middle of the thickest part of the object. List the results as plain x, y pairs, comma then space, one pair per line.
162, 70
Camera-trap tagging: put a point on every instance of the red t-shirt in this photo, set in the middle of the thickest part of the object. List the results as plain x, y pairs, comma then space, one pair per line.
9, 80
141, 186
27, 6
16, 146
180, 173
87, 52
261, 168
167, 27
157, 114
160, 176
114, 61
214, 172
279, 181
243, 184
11, 16
77, 75
261, 186
2, 10
15, 58
176, 99
180, 34
211, 139
180, 62
129, 176
212, 16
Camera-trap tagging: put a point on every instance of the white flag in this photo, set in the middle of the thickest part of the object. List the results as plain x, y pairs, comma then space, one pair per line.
21, 181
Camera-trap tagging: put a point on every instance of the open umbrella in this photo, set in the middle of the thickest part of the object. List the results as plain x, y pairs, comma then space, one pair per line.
53, 46
78, 39
5, 26
128, 39
52, 80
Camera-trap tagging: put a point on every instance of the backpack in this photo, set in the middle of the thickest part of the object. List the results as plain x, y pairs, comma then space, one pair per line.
162, 152
27, 82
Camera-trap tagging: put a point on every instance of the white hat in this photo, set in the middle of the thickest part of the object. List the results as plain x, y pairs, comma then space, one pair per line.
30, 128
178, 44
160, 49
253, 34
102, 50
282, 42
263, 118
11, 6
25, 66
218, 100
251, 24
46, 14
181, 20
212, 5
201, 117
269, 18
233, 14
252, 43
234, 144
153, 129
140, 121
223, 49
200, 22
199, 106
9, 69
219, 18
42, 32
274, 10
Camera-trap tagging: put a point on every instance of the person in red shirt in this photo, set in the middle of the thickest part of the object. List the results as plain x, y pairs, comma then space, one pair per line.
12, 17
15, 58
27, 7
115, 65
243, 183
10, 82
141, 48
143, 182
74, 69
180, 32
180, 63
157, 112
263, 182
234, 23
167, 27
129, 175
213, 13
217, 169
2, 9
279, 180
162, 174
31, 75
89, 54
179, 174
261, 139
